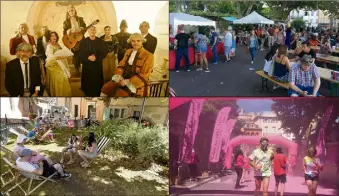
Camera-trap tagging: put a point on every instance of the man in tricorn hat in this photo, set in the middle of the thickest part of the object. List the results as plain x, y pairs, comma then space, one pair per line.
122, 37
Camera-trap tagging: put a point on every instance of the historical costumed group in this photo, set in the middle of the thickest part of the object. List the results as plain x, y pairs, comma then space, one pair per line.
97, 56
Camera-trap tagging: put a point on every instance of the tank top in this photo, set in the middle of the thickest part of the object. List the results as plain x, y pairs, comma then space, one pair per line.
280, 70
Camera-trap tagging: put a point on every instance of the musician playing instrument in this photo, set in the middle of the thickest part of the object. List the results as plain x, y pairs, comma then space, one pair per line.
74, 24
132, 75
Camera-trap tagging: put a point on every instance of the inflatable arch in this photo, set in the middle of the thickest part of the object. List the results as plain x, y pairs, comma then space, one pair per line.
292, 146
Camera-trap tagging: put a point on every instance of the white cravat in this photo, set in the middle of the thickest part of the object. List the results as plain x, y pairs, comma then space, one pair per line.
24, 74
145, 35
132, 57
25, 37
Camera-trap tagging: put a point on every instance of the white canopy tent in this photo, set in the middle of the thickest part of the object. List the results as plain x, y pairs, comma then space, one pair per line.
186, 19
253, 18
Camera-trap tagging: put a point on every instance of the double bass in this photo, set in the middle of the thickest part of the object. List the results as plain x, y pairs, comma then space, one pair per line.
72, 41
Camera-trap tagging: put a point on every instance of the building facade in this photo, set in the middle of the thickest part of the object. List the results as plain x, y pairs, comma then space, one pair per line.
155, 109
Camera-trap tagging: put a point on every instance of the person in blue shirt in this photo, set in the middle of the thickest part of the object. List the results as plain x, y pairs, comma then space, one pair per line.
253, 44
31, 135
214, 42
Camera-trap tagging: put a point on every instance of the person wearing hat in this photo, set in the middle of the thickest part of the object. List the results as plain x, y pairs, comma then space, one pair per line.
304, 78
92, 51
122, 37
42, 168
132, 76
20, 146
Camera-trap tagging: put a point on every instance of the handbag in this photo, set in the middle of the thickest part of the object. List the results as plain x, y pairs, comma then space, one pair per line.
268, 67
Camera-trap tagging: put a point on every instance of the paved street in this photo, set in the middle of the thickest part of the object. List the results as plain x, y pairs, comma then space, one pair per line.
225, 186
236, 78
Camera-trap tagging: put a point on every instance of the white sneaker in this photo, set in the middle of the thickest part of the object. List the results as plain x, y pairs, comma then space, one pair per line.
199, 69
177, 71
207, 70
252, 62
276, 87
188, 70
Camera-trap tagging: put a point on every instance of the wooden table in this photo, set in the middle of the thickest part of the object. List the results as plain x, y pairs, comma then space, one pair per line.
325, 74
328, 59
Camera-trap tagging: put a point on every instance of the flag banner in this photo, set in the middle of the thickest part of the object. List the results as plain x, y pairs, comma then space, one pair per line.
218, 132
321, 137
191, 128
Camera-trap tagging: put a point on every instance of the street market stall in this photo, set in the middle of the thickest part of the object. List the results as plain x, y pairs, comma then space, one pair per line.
177, 19
253, 18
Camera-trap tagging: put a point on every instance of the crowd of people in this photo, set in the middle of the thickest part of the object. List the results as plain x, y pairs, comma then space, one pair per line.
200, 41
108, 62
266, 163
291, 58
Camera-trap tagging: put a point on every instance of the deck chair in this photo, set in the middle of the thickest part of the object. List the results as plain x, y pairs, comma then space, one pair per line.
103, 142
27, 176
10, 155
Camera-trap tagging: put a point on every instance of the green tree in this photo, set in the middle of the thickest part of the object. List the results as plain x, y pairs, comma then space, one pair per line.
298, 24
296, 115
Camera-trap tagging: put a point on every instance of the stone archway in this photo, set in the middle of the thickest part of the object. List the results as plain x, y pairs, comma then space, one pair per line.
48, 13
292, 146
161, 26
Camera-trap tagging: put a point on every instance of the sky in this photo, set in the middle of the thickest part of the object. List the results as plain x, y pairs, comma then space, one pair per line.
255, 105
134, 12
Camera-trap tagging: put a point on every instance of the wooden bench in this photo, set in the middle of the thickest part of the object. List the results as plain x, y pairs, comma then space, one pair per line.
265, 78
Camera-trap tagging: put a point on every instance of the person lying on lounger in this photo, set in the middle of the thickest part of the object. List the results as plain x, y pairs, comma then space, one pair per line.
20, 146
43, 168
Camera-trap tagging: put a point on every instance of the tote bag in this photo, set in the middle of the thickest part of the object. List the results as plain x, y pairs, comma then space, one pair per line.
269, 67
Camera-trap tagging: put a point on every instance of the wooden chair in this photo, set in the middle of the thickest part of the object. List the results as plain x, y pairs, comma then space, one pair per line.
26, 176
9, 155
16, 172
159, 88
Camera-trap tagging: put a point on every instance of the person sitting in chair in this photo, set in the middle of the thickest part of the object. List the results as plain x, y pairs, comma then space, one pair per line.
90, 151
132, 75
43, 168
73, 143
19, 147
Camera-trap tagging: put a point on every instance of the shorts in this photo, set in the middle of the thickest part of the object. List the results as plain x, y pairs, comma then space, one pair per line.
48, 169
312, 178
261, 178
227, 50
203, 49
280, 178
88, 154
73, 149
196, 49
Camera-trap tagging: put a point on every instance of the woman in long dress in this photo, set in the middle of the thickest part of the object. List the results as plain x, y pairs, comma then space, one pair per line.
109, 62
57, 69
